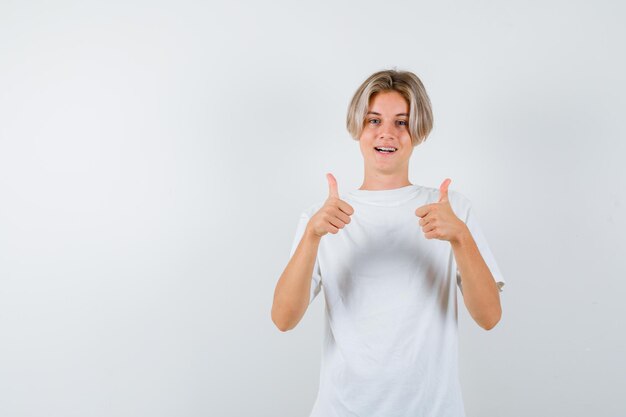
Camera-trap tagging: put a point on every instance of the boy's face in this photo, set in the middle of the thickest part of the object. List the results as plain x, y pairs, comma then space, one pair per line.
386, 124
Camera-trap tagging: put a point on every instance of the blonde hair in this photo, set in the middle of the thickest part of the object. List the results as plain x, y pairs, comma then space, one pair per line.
409, 86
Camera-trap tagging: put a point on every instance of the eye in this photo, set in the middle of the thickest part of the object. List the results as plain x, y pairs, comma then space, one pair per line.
402, 122
373, 121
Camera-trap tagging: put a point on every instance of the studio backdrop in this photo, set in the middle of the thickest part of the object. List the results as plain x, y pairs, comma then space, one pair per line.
155, 158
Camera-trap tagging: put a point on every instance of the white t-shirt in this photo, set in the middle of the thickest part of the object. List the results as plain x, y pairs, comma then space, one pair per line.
390, 344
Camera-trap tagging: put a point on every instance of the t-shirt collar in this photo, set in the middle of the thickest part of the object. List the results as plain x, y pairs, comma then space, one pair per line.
391, 197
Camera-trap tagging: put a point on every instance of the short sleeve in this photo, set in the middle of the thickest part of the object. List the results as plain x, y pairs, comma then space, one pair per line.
474, 227
316, 278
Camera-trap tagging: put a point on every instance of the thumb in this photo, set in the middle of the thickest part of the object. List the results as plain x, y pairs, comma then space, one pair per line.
332, 186
443, 190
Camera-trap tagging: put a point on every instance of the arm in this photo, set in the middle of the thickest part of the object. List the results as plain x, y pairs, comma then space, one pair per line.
480, 292
291, 296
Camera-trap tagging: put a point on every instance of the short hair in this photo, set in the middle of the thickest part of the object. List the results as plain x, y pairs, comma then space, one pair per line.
409, 86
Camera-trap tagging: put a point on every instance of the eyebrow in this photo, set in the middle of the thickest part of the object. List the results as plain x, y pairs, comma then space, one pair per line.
378, 114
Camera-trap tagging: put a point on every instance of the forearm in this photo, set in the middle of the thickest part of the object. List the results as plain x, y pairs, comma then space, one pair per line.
480, 292
291, 296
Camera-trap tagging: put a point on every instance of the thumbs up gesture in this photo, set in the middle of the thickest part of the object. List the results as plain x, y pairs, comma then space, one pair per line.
333, 215
438, 220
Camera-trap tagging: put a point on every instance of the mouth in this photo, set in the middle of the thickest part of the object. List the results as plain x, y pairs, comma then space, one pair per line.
385, 150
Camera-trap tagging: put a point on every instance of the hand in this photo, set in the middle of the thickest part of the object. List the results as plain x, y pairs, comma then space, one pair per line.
333, 215
438, 220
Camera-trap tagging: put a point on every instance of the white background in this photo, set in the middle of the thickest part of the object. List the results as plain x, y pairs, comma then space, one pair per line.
155, 158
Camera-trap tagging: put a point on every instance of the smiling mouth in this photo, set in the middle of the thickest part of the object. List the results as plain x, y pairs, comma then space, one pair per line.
385, 149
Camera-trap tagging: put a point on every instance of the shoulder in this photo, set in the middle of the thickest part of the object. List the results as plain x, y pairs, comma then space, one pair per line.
457, 199
460, 203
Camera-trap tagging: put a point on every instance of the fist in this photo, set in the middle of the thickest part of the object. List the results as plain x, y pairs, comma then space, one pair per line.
333, 215
438, 221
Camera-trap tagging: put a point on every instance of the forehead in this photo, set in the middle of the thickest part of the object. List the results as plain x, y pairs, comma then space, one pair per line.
391, 102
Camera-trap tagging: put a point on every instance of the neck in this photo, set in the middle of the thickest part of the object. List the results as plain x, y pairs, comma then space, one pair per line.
382, 181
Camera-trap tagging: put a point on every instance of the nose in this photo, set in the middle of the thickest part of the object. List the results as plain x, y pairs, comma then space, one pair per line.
386, 132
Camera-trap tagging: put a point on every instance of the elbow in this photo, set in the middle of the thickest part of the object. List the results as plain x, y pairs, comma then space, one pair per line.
282, 327
280, 323
493, 318
287, 316
491, 323
489, 326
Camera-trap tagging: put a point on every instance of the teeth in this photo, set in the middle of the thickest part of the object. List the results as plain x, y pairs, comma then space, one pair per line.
386, 149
